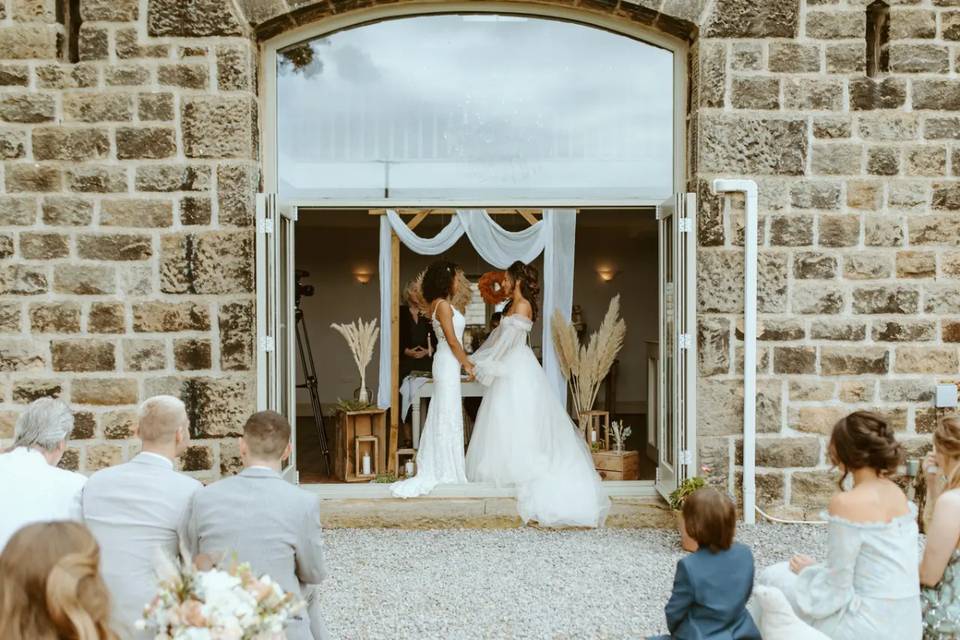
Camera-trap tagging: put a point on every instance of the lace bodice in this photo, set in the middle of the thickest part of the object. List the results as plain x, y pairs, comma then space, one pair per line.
459, 323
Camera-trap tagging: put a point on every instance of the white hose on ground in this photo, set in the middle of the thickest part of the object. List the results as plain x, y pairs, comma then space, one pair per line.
782, 521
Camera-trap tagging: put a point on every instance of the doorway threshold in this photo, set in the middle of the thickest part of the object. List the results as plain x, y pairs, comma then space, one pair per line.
381, 491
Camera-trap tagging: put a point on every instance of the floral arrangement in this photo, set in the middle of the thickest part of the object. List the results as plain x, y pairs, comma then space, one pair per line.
620, 433
361, 337
688, 486
492, 287
464, 295
461, 300
585, 366
217, 604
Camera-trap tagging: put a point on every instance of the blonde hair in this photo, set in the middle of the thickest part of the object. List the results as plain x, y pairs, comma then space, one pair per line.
160, 417
946, 438
50, 585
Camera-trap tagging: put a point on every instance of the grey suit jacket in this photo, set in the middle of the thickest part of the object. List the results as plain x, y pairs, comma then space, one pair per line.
260, 518
136, 511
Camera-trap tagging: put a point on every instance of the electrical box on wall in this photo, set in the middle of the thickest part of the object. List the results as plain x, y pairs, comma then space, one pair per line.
946, 395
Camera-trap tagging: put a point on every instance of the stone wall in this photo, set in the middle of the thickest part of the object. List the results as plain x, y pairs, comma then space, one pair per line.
128, 185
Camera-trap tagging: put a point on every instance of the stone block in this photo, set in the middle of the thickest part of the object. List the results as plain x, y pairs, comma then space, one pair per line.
906, 390
885, 299
14, 75
66, 76
748, 19
888, 127
195, 210
136, 212
106, 317
883, 161
864, 195
916, 264
793, 57
160, 317
28, 41
118, 425
21, 355
772, 270
713, 339
93, 43
919, 58
932, 230
186, 76
84, 280
927, 160
925, 420
6, 245
755, 93
27, 108
840, 230
854, 361
815, 194
236, 68
70, 460
720, 407
13, 144
17, 211
192, 19
781, 453
837, 158
173, 177
936, 95
219, 127
809, 94
237, 185
21, 177
812, 489
136, 280
66, 211
846, 57
836, 25
155, 106
128, 46
97, 179
946, 196
55, 317
44, 246
218, 407
104, 391
26, 391
10, 315
804, 390
868, 94
885, 231
102, 456
109, 10
114, 246
810, 265
818, 419
22, 280
794, 360
144, 355
867, 266
207, 263
236, 322
856, 391
97, 107
791, 230
153, 142
904, 330
84, 426
82, 355
912, 24
750, 145
712, 75
192, 355
926, 360
943, 298
197, 458
941, 128
816, 298
950, 25
126, 75
950, 264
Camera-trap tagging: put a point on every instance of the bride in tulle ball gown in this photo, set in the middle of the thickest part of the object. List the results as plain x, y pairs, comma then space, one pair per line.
523, 435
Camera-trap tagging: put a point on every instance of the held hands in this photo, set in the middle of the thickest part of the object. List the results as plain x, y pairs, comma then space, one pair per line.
471, 370
800, 562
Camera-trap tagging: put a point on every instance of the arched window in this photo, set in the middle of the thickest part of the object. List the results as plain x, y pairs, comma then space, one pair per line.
481, 108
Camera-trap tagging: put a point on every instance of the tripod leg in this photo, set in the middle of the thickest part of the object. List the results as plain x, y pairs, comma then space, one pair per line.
310, 383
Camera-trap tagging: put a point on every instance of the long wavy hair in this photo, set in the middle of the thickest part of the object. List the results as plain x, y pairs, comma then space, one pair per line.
947, 440
527, 278
50, 585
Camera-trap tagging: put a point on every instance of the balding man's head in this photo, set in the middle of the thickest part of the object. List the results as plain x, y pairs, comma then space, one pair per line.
160, 419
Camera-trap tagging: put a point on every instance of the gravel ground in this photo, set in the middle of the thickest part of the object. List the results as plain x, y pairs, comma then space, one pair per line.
516, 583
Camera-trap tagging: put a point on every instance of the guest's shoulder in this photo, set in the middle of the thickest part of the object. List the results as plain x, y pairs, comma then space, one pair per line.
70, 478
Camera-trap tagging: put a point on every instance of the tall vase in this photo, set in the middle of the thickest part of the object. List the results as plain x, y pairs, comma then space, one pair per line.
363, 395
584, 424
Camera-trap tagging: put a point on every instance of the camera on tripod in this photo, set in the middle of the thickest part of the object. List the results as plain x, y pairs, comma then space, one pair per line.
302, 290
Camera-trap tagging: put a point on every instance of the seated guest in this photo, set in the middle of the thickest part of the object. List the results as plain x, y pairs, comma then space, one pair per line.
940, 567
712, 584
137, 510
34, 489
258, 517
50, 585
868, 586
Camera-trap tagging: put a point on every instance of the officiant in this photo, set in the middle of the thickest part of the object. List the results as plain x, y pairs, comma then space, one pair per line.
417, 341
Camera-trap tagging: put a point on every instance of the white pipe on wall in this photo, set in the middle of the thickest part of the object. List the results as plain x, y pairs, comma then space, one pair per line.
749, 189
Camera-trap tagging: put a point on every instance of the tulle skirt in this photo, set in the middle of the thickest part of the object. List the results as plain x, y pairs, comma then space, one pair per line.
524, 437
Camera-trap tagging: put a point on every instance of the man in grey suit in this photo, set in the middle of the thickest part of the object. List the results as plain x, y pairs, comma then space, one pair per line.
137, 510
259, 518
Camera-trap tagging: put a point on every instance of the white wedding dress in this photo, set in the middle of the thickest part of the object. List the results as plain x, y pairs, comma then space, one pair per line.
524, 437
440, 457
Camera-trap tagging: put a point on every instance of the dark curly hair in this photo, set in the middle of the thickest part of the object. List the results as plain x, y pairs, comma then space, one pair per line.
864, 440
527, 278
438, 280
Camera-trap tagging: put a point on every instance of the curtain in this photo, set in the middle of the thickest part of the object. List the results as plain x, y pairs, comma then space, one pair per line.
554, 236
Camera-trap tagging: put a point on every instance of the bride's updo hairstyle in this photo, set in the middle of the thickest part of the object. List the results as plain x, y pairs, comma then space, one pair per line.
863, 440
50, 585
946, 439
438, 280
528, 279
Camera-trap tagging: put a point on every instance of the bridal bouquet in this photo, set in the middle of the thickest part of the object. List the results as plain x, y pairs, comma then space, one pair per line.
218, 604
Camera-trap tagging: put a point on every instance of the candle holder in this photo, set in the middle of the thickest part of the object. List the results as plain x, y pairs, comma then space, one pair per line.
369, 446
597, 422
404, 456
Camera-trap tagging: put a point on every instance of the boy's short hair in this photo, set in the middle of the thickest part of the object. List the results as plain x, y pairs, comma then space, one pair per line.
710, 518
267, 434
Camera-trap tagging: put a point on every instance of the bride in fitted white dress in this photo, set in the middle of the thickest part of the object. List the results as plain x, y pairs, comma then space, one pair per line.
440, 457
523, 435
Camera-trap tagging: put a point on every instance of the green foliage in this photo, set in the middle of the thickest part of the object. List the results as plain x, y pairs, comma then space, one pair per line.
687, 487
353, 405
385, 478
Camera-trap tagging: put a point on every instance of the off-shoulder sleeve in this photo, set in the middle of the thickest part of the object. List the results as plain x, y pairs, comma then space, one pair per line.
827, 588
488, 359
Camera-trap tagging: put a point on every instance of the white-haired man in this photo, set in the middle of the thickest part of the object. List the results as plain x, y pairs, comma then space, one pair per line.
33, 487
136, 510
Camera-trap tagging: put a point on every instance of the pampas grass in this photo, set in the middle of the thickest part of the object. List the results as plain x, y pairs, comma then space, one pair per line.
460, 301
361, 337
585, 366
464, 295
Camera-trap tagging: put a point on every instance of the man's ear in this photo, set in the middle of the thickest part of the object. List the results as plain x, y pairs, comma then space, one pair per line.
286, 452
243, 448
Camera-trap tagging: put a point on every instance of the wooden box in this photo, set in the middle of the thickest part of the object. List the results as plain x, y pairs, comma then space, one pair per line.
598, 421
617, 465
368, 445
403, 455
350, 424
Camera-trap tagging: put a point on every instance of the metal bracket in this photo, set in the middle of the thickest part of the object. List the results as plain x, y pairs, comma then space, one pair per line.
686, 457
265, 226
685, 341
267, 344
685, 225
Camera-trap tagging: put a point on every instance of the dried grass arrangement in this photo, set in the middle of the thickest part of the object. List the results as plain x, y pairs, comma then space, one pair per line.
460, 301
464, 295
361, 337
585, 366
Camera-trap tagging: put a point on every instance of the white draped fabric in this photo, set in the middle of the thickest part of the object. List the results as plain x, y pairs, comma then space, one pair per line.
554, 236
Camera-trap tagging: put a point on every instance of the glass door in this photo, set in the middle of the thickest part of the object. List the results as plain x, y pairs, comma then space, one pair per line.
276, 363
676, 370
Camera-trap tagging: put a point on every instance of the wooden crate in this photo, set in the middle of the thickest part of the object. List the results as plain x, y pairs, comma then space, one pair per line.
368, 445
617, 465
598, 421
350, 424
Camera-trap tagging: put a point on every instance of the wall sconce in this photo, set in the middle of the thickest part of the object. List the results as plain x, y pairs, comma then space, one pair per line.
362, 276
606, 273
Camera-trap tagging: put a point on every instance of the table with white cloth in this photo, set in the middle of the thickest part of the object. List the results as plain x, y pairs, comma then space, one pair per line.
416, 390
